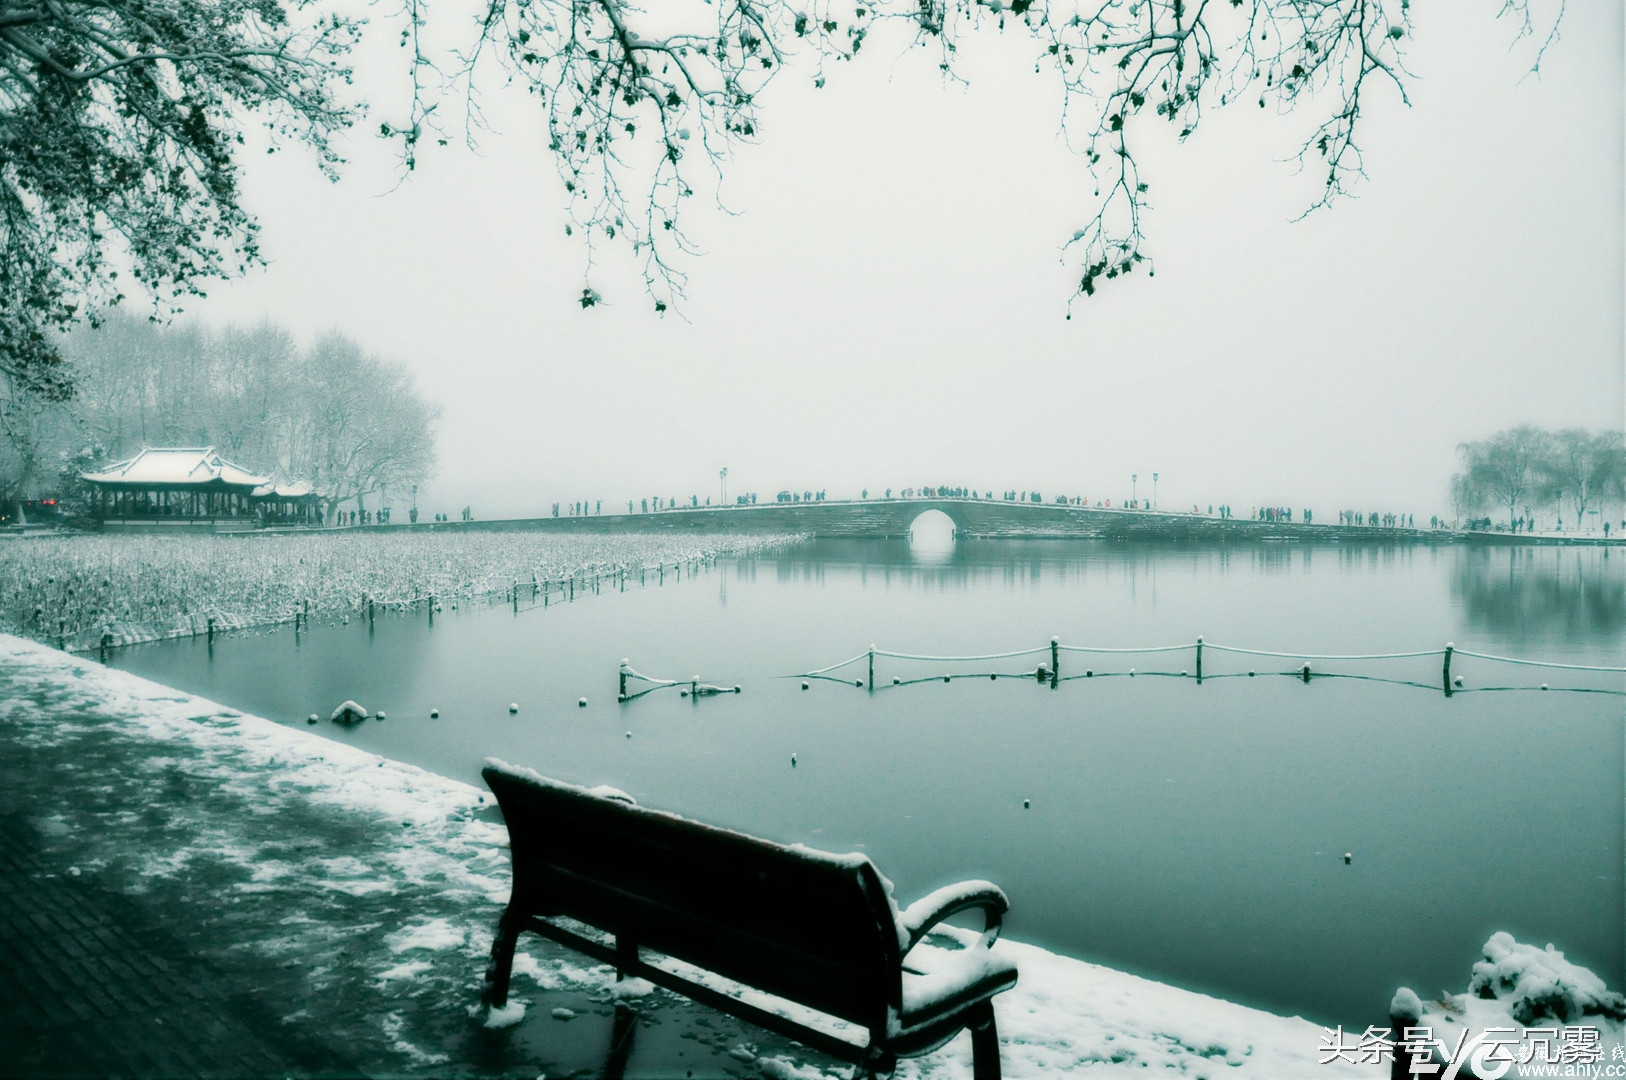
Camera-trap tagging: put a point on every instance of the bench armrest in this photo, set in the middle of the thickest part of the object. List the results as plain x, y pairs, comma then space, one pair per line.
919, 917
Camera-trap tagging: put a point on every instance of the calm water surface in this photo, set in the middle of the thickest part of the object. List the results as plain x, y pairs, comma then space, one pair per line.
1191, 833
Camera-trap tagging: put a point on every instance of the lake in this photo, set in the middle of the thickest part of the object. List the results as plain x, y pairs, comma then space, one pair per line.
1192, 833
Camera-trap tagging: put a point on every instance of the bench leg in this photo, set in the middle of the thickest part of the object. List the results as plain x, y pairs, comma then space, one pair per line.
876, 1064
984, 1043
502, 961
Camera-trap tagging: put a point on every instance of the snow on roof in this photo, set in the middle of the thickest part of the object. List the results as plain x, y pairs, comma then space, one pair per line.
177, 466
296, 490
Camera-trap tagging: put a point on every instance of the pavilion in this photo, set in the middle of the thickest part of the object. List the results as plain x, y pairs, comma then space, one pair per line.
193, 487
288, 504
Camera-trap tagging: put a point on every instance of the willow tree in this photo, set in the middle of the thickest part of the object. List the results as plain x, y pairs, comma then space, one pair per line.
646, 104
121, 120
120, 123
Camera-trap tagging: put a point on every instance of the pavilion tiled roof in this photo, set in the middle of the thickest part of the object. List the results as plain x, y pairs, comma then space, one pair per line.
178, 467
298, 489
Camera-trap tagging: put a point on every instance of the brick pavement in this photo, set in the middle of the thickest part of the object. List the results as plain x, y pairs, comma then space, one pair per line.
94, 984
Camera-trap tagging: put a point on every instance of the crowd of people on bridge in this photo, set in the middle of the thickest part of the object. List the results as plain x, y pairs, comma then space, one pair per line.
1373, 519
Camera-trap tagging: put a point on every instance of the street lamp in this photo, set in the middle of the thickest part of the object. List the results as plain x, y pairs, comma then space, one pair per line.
722, 475
1134, 478
1154, 491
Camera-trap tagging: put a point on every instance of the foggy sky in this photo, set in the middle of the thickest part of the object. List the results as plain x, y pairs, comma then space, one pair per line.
888, 309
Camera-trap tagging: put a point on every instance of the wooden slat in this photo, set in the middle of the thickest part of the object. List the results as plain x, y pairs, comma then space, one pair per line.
705, 995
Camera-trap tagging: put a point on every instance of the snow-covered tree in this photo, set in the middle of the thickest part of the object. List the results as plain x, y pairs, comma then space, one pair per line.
119, 127
643, 102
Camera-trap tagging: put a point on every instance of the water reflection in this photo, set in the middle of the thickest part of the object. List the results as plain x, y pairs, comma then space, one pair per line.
1532, 595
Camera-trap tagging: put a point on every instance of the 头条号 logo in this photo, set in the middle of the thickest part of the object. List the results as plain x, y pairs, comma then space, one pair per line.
1573, 1050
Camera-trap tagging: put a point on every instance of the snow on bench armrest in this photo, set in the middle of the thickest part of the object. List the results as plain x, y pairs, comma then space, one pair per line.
919, 917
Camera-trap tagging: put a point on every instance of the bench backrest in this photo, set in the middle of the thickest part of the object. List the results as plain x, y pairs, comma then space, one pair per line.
805, 925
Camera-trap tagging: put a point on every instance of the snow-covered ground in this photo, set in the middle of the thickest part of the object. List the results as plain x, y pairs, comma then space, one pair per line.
365, 891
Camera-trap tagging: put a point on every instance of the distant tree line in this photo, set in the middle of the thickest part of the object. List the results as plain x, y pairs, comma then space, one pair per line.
351, 424
1526, 469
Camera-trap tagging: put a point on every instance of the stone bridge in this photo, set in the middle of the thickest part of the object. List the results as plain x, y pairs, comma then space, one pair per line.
972, 519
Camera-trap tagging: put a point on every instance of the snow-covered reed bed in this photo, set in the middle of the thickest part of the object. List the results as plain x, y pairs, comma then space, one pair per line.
73, 590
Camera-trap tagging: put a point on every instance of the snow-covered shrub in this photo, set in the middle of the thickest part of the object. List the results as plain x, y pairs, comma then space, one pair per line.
1539, 984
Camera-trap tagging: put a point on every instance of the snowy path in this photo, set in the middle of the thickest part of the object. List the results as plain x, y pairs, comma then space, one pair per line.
362, 893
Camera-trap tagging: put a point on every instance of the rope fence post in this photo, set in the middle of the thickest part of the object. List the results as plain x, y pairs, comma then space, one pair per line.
872, 668
1055, 657
623, 694
211, 630
1445, 673
1199, 659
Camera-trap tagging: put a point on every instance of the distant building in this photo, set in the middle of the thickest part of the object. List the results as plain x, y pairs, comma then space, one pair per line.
194, 487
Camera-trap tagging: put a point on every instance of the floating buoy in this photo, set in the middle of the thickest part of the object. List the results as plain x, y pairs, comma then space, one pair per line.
629, 734
1347, 857
1185, 674
1458, 680
1544, 686
1131, 673
1089, 674
581, 703
1250, 674
896, 681
804, 684
736, 689
683, 693
513, 707
434, 714
311, 719
793, 761
1026, 805
379, 714
992, 676
945, 678
858, 683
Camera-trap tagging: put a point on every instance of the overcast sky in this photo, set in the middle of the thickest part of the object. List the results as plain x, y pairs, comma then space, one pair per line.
888, 307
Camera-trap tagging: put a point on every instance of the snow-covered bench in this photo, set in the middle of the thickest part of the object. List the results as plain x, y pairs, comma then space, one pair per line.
807, 927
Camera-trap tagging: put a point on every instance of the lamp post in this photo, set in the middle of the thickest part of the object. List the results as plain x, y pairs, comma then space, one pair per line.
1154, 491
722, 476
1134, 479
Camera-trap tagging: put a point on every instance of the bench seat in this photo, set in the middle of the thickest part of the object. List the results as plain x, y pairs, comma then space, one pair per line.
809, 927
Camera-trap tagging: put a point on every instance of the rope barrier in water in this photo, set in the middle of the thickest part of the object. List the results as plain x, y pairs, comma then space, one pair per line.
1327, 656
956, 659
1448, 683
1539, 663
1104, 649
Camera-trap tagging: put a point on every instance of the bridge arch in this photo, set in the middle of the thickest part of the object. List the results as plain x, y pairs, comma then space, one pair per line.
932, 526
